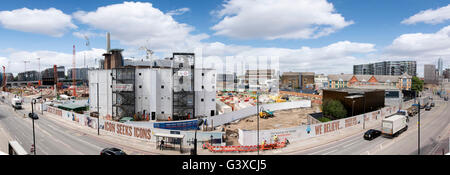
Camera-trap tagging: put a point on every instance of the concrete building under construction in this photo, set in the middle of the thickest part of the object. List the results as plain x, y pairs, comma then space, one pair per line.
168, 89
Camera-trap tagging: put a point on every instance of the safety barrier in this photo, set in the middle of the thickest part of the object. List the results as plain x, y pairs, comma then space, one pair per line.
250, 148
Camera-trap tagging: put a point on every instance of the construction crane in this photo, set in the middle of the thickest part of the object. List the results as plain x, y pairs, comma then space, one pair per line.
149, 53
25, 62
74, 81
88, 46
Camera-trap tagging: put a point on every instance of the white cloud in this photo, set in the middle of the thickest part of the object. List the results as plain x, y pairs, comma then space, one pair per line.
178, 11
278, 19
425, 48
430, 16
48, 59
335, 58
135, 23
51, 22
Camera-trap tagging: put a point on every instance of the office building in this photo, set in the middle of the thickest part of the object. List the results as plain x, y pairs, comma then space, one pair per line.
430, 74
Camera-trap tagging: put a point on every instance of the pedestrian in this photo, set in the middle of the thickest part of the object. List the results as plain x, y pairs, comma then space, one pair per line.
275, 138
162, 144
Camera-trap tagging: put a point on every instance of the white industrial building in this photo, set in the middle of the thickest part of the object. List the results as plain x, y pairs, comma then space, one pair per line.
152, 92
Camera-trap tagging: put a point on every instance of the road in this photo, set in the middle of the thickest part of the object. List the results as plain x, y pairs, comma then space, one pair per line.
52, 137
434, 136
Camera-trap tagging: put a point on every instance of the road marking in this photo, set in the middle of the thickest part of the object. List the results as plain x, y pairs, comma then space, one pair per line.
329, 152
345, 146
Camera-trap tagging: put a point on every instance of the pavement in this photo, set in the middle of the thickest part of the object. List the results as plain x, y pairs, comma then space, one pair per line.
434, 133
435, 130
56, 136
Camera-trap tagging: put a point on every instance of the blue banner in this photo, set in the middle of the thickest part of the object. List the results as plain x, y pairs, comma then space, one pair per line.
175, 125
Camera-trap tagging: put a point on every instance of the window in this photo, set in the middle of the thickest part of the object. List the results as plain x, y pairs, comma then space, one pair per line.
203, 87
203, 74
162, 86
213, 99
140, 74
202, 100
162, 112
140, 86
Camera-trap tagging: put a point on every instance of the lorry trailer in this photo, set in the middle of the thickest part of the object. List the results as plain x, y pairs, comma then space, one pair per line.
394, 125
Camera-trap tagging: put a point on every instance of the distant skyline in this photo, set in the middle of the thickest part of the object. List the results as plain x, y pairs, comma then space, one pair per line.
323, 36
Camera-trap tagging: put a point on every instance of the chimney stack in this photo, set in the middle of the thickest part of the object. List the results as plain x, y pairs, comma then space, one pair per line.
108, 42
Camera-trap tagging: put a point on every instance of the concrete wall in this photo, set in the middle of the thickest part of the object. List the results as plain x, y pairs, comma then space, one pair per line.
239, 114
307, 131
143, 131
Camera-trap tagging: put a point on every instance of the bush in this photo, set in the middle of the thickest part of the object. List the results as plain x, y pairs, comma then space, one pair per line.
334, 109
324, 119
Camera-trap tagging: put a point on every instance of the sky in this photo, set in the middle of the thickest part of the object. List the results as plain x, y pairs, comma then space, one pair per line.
323, 36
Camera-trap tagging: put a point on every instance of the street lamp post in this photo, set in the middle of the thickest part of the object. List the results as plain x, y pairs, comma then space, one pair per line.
418, 130
98, 110
194, 151
32, 118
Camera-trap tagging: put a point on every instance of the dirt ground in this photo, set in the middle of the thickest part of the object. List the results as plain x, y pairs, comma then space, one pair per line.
281, 119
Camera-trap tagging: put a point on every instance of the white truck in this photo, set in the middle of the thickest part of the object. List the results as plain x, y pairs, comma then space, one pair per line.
16, 103
394, 125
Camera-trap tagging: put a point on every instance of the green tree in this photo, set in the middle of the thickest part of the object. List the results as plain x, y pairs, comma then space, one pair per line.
417, 84
334, 109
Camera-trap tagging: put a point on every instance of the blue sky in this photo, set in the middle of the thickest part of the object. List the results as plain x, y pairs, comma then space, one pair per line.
373, 25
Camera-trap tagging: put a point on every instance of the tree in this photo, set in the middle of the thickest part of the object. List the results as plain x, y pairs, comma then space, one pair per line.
334, 109
417, 84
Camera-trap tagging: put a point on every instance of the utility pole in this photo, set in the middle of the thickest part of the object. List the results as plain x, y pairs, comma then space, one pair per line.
418, 130
257, 101
34, 138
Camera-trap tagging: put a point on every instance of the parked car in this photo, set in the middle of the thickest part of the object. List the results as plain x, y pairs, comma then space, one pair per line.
432, 104
428, 107
371, 134
112, 151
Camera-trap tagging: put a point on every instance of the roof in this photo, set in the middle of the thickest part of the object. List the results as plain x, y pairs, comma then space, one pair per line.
178, 136
72, 106
393, 118
352, 90
380, 78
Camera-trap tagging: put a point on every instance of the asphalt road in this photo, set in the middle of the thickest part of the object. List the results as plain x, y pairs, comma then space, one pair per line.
434, 124
52, 138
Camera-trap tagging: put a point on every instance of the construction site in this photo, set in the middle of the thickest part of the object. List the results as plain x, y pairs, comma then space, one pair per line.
162, 90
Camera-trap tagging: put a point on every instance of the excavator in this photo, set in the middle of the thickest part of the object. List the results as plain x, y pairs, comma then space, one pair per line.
266, 114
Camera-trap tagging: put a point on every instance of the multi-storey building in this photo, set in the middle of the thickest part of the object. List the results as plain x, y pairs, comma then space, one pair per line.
297, 80
48, 77
430, 74
386, 68
28, 76
226, 82
402, 82
169, 89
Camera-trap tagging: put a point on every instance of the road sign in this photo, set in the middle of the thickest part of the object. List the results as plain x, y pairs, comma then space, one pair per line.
415, 105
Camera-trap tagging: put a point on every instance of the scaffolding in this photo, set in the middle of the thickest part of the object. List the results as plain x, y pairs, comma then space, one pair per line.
123, 91
183, 86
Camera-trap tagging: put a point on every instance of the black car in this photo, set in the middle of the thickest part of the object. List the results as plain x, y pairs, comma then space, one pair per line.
371, 134
432, 104
428, 107
112, 151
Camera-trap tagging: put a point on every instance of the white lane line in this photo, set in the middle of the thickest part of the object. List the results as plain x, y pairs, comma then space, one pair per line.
329, 152
345, 146
337, 145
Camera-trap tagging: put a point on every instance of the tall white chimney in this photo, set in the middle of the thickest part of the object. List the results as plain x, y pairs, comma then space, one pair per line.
108, 42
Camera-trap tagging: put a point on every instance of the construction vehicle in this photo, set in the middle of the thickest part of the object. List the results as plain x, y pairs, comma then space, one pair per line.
412, 111
266, 114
